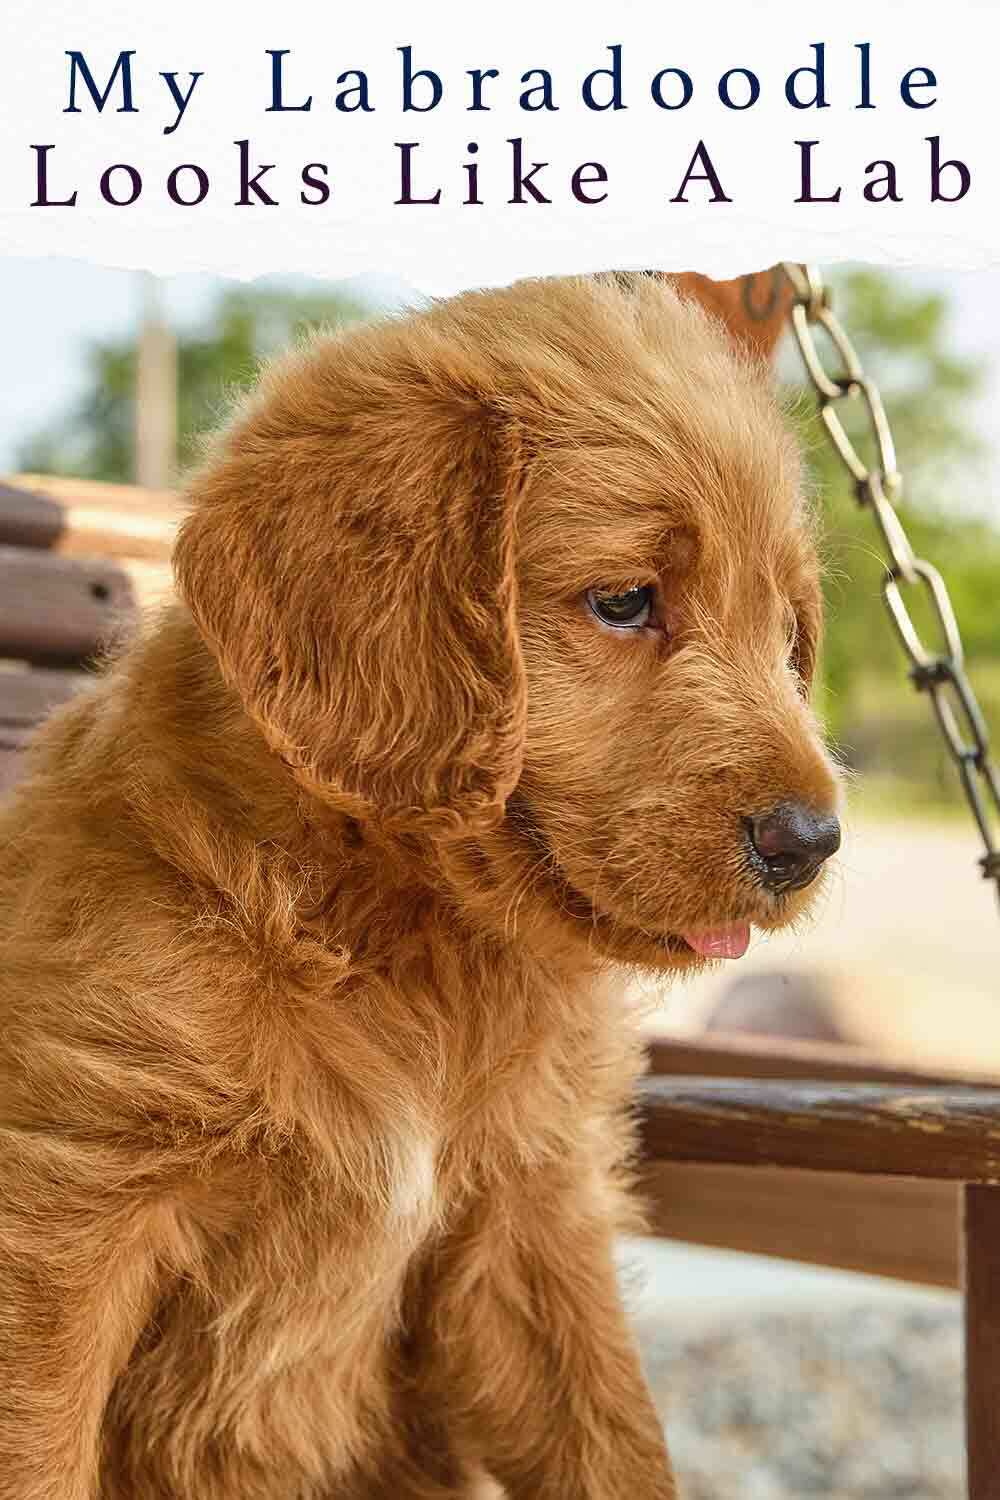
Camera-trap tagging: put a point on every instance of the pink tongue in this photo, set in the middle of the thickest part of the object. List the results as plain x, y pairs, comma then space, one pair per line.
731, 941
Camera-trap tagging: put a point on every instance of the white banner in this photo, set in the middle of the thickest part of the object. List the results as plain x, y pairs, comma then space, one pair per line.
456, 145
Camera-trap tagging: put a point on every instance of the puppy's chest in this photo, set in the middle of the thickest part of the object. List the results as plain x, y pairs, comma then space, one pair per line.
404, 1136
413, 1197
323, 1236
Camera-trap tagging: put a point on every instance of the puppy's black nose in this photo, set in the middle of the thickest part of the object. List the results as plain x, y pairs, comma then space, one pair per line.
793, 841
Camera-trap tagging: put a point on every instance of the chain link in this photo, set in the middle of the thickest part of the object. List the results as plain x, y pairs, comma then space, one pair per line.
938, 672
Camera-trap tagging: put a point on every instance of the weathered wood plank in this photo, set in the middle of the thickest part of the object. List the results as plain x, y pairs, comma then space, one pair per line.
26, 696
60, 610
101, 495
85, 518
745, 1056
14, 736
11, 768
947, 1133
28, 520
884, 1226
981, 1225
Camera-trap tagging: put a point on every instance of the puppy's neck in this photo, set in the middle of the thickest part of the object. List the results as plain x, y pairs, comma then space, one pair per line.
220, 806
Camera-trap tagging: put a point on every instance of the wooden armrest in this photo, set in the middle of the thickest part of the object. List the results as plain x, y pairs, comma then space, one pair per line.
741, 1055
826, 1170
946, 1133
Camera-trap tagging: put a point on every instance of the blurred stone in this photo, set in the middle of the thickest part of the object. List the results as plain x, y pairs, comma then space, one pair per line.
797, 1006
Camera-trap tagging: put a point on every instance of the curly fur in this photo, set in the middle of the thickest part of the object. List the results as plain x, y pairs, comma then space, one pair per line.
314, 1064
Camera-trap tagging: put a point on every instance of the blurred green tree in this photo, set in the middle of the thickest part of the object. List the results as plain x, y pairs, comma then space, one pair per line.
94, 439
902, 336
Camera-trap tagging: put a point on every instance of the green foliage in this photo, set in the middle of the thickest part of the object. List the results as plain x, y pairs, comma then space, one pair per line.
902, 338
94, 439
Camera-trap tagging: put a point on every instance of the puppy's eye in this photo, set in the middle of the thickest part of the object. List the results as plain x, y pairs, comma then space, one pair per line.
628, 611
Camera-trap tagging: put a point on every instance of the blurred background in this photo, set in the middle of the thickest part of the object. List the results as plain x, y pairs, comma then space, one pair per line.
777, 1381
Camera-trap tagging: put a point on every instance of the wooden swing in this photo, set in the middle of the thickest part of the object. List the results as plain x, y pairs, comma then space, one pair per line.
808, 1152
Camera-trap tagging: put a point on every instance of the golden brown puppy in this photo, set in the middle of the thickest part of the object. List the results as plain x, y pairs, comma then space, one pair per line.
488, 674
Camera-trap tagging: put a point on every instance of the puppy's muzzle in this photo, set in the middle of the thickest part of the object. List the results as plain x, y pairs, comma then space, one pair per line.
789, 845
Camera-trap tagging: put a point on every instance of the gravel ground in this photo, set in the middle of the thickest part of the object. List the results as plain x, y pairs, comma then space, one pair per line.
860, 1401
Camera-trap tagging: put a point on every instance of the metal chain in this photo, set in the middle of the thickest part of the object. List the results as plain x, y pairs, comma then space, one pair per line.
939, 673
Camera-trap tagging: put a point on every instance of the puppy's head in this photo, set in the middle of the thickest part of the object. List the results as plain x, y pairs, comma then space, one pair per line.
531, 570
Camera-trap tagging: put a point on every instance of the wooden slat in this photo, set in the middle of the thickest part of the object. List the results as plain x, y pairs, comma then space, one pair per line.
100, 495
14, 736
26, 696
84, 518
58, 609
947, 1133
744, 1056
884, 1226
28, 520
981, 1224
11, 768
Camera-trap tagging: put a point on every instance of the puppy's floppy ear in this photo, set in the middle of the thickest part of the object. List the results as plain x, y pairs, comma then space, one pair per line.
350, 559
